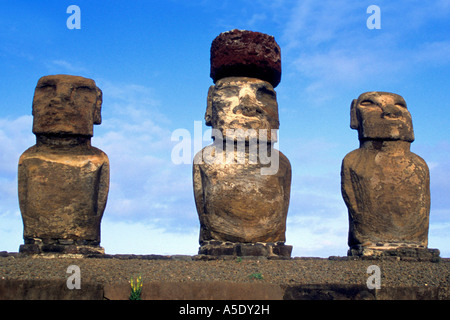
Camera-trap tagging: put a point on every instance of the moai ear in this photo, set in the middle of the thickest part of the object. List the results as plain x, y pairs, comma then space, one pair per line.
354, 122
208, 113
98, 107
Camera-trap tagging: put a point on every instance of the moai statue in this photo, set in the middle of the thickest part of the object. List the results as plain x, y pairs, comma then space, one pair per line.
385, 186
63, 181
241, 183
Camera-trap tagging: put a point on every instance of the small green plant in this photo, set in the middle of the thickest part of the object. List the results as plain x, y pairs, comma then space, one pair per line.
256, 275
136, 288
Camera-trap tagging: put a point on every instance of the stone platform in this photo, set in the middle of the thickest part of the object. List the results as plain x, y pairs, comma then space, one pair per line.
205, 277
404, 253
262, 249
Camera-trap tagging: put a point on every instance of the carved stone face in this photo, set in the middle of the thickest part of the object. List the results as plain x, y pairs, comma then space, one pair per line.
381, 115
67, 105
242, 103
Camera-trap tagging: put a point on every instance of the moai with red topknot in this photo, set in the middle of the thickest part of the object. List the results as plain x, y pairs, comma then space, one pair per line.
241, 183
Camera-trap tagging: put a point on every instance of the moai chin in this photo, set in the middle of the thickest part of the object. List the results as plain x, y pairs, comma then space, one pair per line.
63, 181
385, 186
241, 183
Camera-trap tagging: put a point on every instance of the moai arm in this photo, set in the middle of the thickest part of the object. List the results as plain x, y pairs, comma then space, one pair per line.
198, 191
349, 187
22, 185
347, 190
103, 187
422, 167
287, 177
428, 191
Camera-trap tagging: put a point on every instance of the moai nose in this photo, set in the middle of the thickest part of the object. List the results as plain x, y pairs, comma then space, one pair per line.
63, 92
246, 102
247, 97
391, 110
246, 93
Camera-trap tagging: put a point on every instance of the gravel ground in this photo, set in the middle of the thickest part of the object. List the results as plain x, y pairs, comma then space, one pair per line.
293, 271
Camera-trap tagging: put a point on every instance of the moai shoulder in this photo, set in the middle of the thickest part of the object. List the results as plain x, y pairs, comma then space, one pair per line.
385, 186
63, 181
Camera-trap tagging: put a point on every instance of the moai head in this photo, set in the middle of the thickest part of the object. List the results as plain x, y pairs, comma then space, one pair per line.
242, 103
245, 67
66, 105
381, 115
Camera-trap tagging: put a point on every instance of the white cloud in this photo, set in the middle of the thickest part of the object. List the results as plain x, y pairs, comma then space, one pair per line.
15, 138
435, 52
256, 19
320, 235
146, 186
62, 66
122, 237
311, 23
328, 45
438, 235
11, 229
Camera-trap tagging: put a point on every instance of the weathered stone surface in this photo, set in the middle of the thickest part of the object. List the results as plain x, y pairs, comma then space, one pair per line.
404, 252
238, 249
246, 54
242, 108
66, 105
63, 181
48, 290
241, 183
198, 290
385, 186
237, 203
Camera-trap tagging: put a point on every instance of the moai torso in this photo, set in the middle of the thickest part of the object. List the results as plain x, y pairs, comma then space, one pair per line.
63, 181
384, 185
241, 183
237, 203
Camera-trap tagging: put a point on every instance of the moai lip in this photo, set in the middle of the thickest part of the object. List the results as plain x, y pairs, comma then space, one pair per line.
63, 181
385, 186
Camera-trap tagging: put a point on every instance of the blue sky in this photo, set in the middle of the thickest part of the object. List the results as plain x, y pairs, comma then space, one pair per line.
151, 60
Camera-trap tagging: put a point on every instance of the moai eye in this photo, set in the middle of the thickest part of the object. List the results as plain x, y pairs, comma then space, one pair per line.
265, 95
229, 91
47, 86
84, 91
46, 90
366, 103
266, 91
85, 88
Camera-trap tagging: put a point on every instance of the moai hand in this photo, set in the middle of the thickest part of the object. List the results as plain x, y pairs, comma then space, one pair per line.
63, 181
385, 186
241, 183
